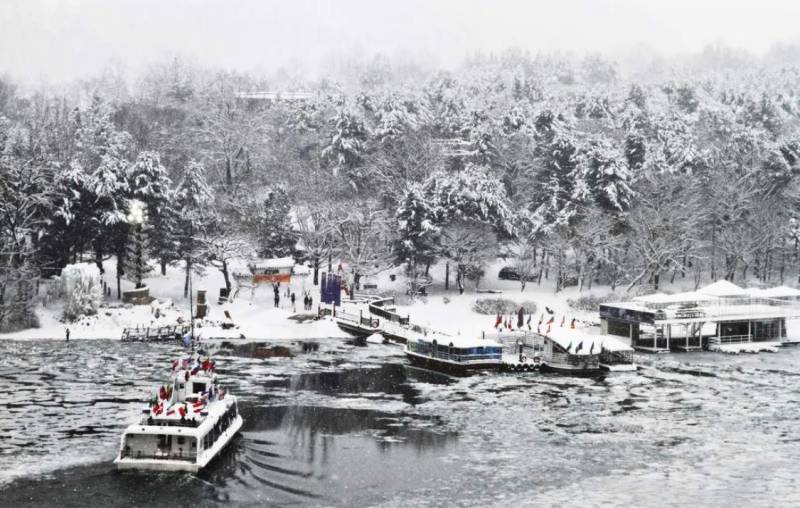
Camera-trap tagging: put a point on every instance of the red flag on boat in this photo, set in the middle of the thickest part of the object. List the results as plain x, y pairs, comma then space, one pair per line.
187, 375
170, 412
498, 321
206, 364
551, 320
174, 364
182, 410
548, 327
162, 393
572, 324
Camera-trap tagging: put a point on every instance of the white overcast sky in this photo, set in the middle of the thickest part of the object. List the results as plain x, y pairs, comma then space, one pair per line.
66, 39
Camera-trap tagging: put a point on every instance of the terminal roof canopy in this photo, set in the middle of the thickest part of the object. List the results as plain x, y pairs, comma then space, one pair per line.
691, 296
722, 288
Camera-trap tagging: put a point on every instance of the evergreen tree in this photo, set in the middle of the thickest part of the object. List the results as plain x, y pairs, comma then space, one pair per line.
417, 230
195, 216
606, 177
150, 184
275, 235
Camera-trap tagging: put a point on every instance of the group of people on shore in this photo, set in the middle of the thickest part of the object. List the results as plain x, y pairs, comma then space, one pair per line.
308, 300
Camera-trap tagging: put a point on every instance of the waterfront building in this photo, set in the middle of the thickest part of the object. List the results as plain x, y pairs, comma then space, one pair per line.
713, 317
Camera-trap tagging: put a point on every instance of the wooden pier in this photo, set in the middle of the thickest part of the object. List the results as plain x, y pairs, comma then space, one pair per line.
154, 334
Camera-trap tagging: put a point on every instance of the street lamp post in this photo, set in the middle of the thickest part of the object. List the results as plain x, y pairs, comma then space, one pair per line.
137, 215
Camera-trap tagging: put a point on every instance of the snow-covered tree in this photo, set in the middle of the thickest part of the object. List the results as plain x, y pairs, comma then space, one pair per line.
151, 185
606, 177
220, 251
345, 151
82, 291
315, 230
418, 232
363, 239
266, 216
473, 194
196, 216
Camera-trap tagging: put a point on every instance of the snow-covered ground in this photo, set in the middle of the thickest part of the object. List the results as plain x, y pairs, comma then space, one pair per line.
256, 318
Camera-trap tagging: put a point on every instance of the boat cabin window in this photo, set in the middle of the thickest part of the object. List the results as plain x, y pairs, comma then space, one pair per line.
198, 387
181, 440
180, 386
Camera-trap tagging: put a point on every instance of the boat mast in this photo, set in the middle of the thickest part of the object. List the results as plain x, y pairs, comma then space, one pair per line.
191, 293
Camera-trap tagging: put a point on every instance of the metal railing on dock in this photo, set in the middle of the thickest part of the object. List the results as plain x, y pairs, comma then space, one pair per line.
154, 334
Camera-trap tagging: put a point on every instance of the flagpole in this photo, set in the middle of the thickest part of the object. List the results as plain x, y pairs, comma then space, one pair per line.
191, 293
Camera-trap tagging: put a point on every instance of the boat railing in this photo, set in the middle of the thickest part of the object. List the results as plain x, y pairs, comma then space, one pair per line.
153, 333
162, 422
157, 455
460, 357
732, 339
569, 359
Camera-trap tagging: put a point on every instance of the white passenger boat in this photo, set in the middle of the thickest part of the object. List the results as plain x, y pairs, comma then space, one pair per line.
185, 425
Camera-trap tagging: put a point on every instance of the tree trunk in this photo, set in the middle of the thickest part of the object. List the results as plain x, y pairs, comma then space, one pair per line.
98, 258
713, 253
316, 271
163, 262
226, 276
447, 276
228, 172
186, 280
119, 282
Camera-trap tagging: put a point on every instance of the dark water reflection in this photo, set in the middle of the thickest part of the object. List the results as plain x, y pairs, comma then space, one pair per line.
353, 426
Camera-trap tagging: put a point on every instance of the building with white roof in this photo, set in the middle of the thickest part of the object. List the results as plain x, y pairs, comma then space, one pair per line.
718, 314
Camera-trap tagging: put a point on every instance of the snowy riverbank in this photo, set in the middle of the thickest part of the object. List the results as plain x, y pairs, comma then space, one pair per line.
255, 317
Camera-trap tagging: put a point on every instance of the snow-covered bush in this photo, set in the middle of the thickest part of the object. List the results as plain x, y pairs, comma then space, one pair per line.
493, 306
592, 302
82, 290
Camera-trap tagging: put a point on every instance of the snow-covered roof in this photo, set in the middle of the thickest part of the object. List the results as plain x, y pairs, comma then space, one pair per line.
722, 288
301, 270
458, 341
287, 262
569, 338
689, 296
778, 292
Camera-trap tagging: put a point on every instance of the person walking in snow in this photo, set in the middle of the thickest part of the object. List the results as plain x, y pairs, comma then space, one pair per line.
67, 334
292, 298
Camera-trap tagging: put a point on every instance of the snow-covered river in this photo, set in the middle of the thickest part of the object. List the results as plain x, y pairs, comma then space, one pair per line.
354, 426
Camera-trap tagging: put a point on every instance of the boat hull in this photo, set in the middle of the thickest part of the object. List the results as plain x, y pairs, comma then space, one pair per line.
130, 463
570, 370
452, 368
356, 330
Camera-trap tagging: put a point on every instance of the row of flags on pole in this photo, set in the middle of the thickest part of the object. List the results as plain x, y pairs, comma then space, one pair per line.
507, 322
330, 289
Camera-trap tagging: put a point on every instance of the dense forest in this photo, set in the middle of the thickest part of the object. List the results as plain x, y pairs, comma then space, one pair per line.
575, 171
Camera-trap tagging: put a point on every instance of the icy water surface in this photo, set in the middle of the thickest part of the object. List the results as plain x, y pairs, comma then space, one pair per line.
340, 425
